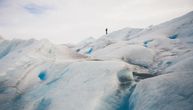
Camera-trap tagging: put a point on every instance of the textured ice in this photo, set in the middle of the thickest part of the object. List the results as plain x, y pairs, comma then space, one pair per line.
166, 92
134, 54
105, 40
38, 75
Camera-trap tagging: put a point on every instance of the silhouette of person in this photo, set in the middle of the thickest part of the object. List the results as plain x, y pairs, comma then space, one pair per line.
106, 31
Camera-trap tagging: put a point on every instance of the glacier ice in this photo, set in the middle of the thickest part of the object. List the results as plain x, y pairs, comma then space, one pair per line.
173, 36
167, 92
39, 75
43, 75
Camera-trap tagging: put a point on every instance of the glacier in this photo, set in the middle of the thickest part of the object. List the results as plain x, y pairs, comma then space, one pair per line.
129, 69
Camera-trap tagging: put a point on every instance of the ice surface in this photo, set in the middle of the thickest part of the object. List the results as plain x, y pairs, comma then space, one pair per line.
167, 92
88, 81
134, 54
98, 74
105, 40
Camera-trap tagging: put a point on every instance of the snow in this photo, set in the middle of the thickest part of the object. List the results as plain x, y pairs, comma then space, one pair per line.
101, 74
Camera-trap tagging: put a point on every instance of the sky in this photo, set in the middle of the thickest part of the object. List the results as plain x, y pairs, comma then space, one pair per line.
71, 21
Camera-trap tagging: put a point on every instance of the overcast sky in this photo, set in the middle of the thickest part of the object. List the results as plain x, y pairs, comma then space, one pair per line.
70, 21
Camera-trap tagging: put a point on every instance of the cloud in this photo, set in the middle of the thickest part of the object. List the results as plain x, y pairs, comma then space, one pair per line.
35, 8
2, 2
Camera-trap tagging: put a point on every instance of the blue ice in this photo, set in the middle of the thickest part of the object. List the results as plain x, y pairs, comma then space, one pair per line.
43, 75
173, 36
44, 104
145, 44
90, 51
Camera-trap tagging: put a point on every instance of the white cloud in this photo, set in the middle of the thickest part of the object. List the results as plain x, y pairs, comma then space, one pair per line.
64, 21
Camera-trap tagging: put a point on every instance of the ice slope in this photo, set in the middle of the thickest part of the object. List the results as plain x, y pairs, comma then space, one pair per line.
181, 26
22, 62
174, 60
85, 42
38, 75
128, 53
78, 85
122, 34
18, 52
171, 45
172, 91
105, 40
82, 47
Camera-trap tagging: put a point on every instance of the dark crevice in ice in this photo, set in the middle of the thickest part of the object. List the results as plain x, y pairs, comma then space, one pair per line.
44, 104
119, 99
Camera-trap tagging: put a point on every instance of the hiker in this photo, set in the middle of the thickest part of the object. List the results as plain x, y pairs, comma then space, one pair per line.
106, 31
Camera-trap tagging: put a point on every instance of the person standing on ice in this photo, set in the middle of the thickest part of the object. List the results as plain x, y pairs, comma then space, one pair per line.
106, 31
